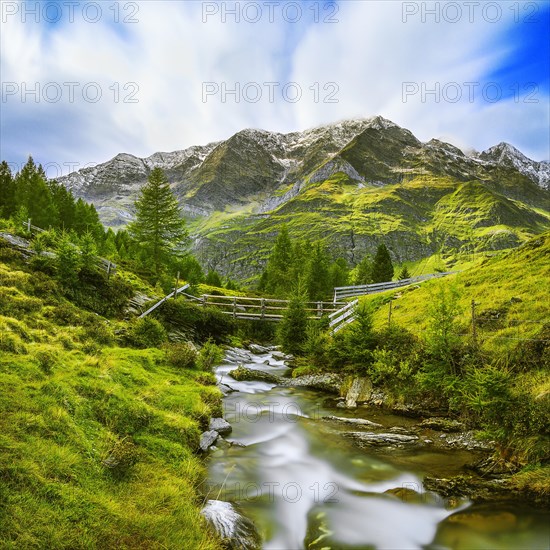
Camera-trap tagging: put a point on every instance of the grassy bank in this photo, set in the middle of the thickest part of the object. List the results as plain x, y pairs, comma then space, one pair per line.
475, 345
98, 439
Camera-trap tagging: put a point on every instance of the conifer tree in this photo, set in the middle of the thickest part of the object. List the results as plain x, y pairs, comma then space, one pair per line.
317, 274
363, 271
339, 273
158, 227
8, 205
382, 267
32, 192
292, 330
279, 278
213, 278
404, 273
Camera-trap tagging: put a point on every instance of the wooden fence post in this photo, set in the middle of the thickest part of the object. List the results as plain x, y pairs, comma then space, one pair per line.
235, 307
263, 307
389, 314
176, 286
319, 309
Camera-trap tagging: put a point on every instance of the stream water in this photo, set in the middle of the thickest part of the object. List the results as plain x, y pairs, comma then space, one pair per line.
305, 485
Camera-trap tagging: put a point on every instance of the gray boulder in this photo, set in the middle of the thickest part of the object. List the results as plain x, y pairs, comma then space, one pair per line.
208, 439
221, 426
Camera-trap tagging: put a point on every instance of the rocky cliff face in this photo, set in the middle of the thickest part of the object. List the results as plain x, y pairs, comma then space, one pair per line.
352, 184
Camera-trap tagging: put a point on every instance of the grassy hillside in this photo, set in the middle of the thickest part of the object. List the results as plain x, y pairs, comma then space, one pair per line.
498, 380
511, 291
98, 439
416, 218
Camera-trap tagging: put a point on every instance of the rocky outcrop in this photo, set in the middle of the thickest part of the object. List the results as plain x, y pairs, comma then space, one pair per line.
483, 490
354, 421
360, 391
243, 374
371, 439
329, 382
442, 424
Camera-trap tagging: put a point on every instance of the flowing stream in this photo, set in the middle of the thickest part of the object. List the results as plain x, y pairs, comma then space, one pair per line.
305, 485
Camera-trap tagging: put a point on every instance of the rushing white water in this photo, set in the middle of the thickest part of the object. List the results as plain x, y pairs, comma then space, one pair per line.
304, 485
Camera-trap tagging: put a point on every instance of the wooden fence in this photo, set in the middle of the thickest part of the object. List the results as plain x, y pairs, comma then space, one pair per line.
361, 290
267, 309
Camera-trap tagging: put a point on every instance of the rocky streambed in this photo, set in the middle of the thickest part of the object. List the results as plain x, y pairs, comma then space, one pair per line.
294, 464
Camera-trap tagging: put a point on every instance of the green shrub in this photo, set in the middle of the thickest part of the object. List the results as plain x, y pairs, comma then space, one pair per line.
43, 286
147, 333
121, 457
43, 264
65, 315
11, 343
46, 360
182, 355
198, 323
209, 356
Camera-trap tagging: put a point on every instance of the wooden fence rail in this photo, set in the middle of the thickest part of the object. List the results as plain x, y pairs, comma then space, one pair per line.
361, 290
173, 294
268, 309
342, 317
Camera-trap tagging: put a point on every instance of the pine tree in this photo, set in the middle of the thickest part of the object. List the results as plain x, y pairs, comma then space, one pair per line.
279, 278
292, 330
339, 273
404, 273
363, 271
317, 275
213, 279
7, 191
158, 227
382, 267
33, 193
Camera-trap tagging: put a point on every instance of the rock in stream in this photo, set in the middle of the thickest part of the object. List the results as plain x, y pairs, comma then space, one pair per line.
236, 531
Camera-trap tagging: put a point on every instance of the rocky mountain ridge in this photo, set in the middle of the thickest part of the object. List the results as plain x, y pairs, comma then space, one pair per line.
374, 151
351, 184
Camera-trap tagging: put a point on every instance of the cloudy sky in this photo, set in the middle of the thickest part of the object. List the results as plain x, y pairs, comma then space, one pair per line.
83, 81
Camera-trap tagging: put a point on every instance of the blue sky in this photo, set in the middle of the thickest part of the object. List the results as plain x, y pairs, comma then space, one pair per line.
81, 84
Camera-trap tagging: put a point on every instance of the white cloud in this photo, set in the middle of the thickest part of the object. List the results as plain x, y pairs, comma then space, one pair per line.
170, 53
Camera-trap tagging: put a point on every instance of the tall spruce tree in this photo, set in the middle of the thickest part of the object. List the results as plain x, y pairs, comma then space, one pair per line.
382, 267
317, 277
279, 277
158, 227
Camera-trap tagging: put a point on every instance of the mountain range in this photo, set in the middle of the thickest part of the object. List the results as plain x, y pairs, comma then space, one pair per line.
353, 184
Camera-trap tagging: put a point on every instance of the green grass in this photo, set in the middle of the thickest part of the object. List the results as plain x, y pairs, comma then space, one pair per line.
97, 442
515, 283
